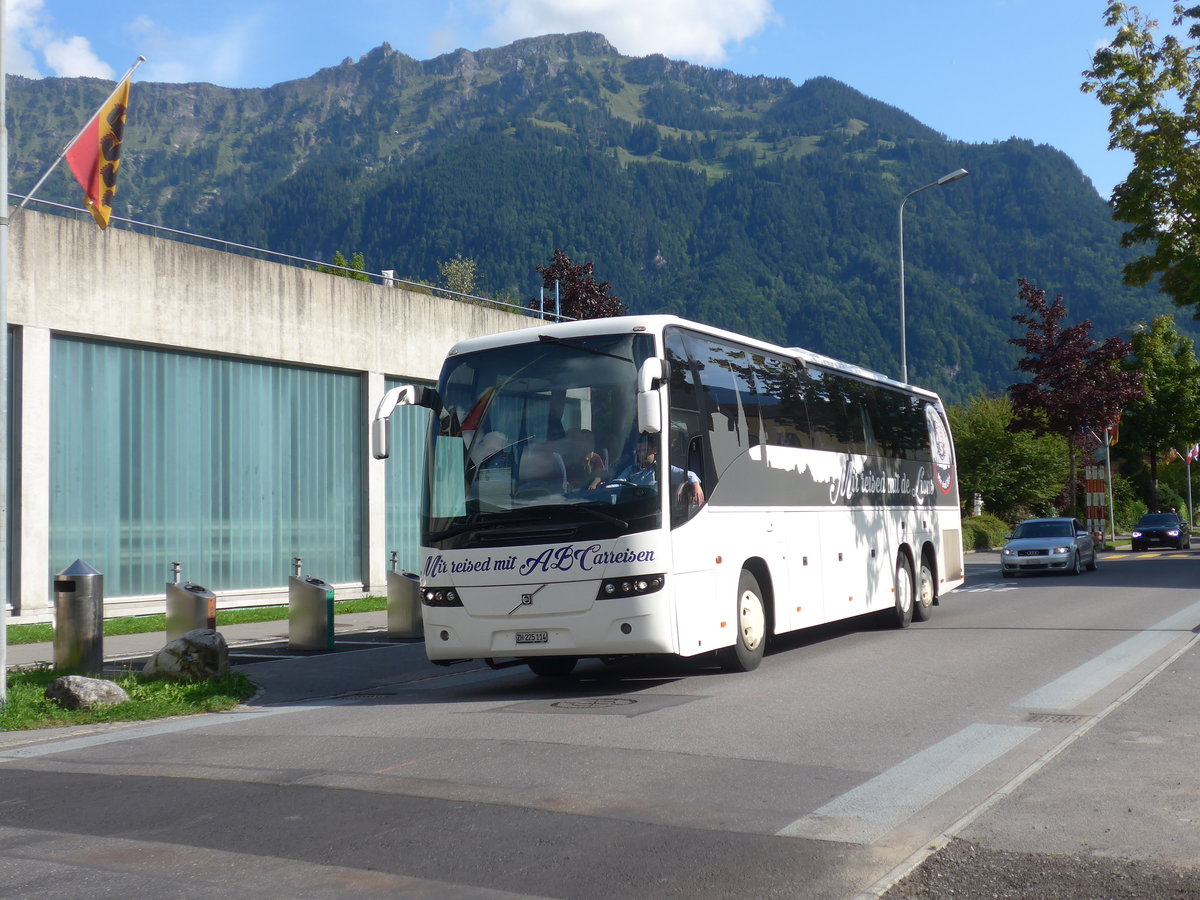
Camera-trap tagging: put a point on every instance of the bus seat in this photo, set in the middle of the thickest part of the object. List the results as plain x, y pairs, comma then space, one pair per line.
542, 469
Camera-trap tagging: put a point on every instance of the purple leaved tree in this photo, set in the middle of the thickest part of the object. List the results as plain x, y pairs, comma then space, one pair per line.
1077, 387
581, 295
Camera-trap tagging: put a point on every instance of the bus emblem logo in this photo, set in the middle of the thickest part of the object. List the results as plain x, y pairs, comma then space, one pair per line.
939, 440
526, 600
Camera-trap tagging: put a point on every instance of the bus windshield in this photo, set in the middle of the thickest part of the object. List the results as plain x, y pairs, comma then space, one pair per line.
537, 441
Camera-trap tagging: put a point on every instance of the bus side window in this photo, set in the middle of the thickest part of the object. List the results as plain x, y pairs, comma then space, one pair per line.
686, 449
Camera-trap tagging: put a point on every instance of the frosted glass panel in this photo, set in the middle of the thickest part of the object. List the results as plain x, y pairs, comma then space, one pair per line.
409, 431
228, 466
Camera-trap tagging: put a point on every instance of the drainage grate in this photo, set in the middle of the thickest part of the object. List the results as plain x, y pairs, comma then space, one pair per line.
593, 703
1056, 718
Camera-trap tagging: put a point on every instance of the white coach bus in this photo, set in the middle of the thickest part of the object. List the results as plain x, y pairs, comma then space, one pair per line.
799, 490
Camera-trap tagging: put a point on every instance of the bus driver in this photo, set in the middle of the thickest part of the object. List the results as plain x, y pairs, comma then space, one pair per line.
643, 470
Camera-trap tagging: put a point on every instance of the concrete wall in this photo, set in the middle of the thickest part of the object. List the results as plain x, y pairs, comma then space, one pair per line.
67, 276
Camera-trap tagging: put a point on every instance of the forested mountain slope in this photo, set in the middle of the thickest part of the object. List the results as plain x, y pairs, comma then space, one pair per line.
750, 203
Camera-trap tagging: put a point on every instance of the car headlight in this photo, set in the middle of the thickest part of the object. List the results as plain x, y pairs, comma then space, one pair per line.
1007, 552
1059, 551
1135, 533
1174, 532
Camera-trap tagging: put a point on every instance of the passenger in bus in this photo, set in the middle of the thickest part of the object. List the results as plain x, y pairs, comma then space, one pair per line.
644, 472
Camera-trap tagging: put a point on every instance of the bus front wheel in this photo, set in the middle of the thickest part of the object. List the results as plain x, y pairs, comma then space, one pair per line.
751, 640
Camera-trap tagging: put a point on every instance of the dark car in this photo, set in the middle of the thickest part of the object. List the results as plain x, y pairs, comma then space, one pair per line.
1166, 529
1048, 545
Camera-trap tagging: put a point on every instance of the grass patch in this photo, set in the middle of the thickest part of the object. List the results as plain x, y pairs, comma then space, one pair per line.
44, 633
149, 698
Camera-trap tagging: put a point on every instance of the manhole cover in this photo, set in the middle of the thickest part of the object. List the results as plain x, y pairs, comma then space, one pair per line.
592, 703
600, 706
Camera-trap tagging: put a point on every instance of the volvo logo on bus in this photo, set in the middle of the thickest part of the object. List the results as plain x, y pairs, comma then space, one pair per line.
939, 440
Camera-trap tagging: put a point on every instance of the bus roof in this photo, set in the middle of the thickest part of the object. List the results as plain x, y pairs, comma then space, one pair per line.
655, 324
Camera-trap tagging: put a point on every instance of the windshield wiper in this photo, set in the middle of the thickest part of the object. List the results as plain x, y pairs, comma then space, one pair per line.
461, 528
494, 525
599, 515
550, 339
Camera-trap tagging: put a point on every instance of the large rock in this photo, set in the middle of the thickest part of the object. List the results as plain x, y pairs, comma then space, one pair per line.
79, 692
195, 656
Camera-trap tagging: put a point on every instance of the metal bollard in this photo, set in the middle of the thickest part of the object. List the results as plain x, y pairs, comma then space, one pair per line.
189, 606
403, 604
79, 618
310, 612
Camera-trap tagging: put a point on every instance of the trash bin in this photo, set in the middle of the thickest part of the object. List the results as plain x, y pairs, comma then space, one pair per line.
79, 618
310, 613
189, 606
403, 605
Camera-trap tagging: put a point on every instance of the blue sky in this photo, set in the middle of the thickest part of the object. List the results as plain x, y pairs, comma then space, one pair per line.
975, 70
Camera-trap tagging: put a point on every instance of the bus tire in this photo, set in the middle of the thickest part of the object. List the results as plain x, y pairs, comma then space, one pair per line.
552, 666
923, 607
751, 640
901, 615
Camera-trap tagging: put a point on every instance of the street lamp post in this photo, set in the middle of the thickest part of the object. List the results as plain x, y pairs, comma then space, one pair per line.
945, 179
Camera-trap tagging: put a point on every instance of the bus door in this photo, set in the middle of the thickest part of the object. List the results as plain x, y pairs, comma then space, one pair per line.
693, 538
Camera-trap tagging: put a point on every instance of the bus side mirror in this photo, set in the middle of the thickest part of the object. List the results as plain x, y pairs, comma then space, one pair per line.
404, 395
649, 409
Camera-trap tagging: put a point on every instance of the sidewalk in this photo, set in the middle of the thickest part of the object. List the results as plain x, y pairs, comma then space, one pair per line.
1115, 815
257, 640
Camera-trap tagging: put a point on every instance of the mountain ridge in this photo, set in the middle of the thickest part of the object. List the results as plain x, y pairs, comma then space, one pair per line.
750, 202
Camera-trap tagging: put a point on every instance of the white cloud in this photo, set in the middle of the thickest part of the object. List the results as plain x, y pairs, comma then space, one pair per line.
220, 57
73, 56
696, 30
31, 35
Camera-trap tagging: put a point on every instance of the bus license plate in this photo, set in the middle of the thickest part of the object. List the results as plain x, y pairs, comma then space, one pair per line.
533, 637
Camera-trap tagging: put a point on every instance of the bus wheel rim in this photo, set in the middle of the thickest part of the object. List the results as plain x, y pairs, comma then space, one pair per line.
752, 620
904, 588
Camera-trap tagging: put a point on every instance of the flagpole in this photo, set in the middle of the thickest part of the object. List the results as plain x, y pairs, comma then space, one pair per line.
4, 220
70, 143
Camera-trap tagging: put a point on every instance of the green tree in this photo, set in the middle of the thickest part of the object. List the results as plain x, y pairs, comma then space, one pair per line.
1168, 416
458, 274
1152, 88
340, 265
1017, 473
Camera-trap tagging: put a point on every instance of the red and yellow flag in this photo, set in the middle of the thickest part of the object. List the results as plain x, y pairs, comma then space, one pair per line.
95, 155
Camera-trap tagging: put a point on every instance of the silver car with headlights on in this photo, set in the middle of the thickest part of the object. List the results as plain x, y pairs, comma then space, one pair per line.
1048, 545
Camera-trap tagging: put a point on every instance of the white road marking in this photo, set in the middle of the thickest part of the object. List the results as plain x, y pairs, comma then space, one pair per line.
1083, 681
866, 813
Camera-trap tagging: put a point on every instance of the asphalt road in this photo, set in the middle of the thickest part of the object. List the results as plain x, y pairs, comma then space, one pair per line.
1010, 720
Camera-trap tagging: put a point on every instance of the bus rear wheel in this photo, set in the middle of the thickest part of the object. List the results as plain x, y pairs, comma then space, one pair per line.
552, 666
923, 608
902, 615
751, 640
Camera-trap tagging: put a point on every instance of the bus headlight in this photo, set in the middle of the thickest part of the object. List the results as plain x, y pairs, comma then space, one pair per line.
437, 596
632, 586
